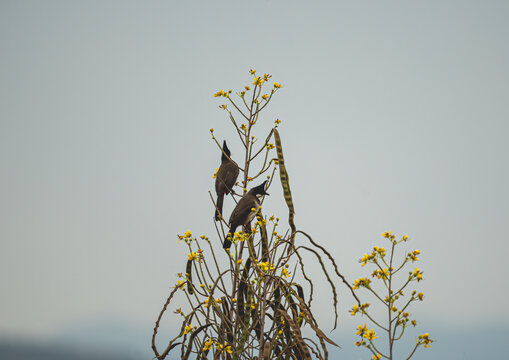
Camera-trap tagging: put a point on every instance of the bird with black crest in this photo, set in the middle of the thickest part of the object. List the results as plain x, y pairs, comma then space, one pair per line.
225, 179
245, 211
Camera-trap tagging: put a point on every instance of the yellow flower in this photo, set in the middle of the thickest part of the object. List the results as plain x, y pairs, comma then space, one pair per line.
370, 335
208, 344
420, 296
365, 258
277, 85
405, 237
364, 307
424, 339
361, 282
388, 235
413, 255
252, 71
285, 272
417, 274
265, 96
277, 121
376, 357
258, 81
180, 284
378, 250
221, 93
211, 130
192, 256
361, 330
223, 107
247, 88
188, 329
354, 310
382, 274
239, 261
359, 343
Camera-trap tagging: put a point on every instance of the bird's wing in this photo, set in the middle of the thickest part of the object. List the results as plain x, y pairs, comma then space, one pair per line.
230, 176
242, 210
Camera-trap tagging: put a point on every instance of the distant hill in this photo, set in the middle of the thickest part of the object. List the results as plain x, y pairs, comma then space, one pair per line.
19, 351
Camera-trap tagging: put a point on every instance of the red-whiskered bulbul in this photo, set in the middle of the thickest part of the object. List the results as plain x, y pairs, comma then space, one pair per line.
225, 178
245, 211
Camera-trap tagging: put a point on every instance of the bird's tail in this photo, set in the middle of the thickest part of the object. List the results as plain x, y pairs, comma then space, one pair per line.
219, 204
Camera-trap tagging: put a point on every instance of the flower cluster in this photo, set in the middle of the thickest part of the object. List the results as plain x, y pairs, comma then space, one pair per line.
180, 284
417, 274
388, 235
195, 256
382, 274
368, 334
188, 329
362, 309
224, 347
285, 272
378, 252
266, 266
186, 237
208, 344
222, 93
258, 81
361, 282
413, 255
425, 340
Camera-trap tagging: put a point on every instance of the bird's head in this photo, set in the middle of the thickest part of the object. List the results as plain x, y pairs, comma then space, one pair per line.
260, 189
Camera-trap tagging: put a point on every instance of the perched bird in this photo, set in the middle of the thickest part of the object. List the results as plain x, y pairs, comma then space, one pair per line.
225, 178
245, 211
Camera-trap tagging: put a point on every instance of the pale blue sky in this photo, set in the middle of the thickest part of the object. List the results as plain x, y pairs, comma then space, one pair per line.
394, 115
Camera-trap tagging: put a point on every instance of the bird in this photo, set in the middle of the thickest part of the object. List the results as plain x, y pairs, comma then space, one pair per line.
225, 178
245, 210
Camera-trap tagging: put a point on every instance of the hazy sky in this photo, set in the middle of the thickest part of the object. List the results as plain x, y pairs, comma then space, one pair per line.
394, 117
